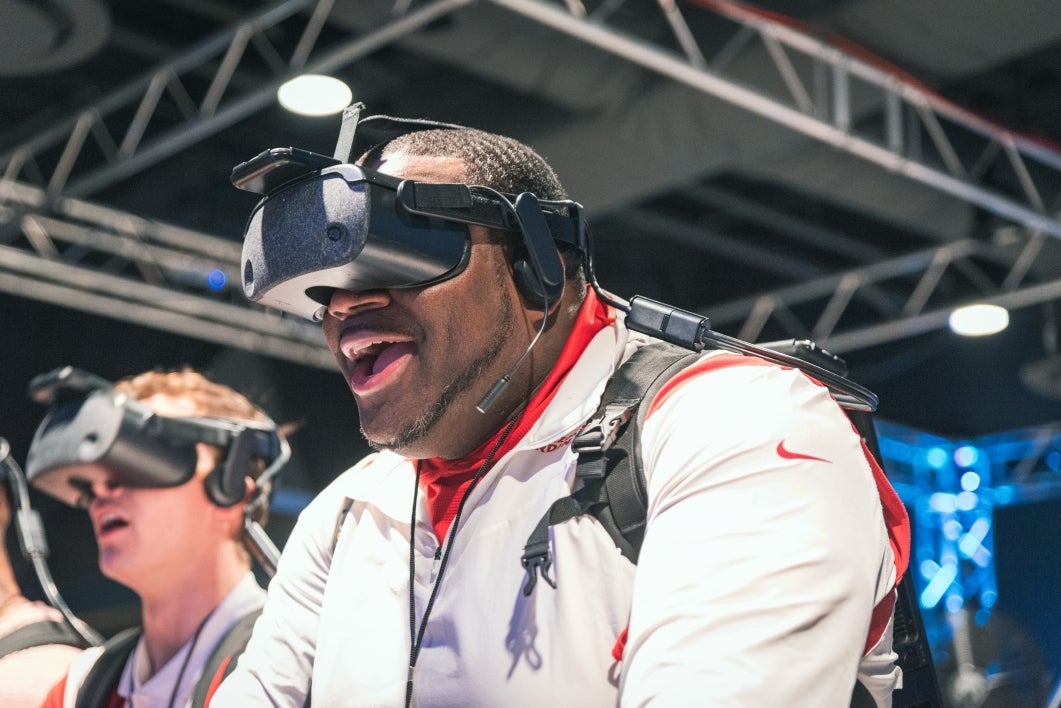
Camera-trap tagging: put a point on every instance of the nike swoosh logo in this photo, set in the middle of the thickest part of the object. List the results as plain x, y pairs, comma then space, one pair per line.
787, 454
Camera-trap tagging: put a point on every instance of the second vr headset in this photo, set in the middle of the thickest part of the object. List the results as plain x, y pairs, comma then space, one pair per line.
325, 224
94, 433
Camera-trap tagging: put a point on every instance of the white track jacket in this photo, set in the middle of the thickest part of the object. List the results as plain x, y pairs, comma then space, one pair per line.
765, 554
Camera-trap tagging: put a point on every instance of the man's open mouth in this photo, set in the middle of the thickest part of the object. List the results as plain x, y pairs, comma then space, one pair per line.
373, 356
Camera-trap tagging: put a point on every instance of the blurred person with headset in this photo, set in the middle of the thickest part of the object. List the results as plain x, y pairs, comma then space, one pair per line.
174, 470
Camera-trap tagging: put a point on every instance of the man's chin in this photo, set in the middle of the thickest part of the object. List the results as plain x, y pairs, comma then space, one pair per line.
398, 444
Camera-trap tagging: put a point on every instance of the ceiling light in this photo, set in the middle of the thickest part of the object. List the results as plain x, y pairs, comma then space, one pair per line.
978, 320
314, 95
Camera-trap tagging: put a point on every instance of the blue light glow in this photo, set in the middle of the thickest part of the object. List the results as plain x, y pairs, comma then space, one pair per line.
970, 481
967, 501
1053, 460
966, 456
936, 457
929, 568
941, 502
951, 530
216, 279
938, 585
1003, 494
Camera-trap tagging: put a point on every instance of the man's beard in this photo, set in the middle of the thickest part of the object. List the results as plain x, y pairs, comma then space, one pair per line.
417, 429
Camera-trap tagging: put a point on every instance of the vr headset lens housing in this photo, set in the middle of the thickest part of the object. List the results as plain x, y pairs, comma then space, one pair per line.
343, 228
105, 437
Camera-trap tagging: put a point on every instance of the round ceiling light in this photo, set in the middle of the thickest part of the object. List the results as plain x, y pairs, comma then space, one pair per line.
314, 95
978, 320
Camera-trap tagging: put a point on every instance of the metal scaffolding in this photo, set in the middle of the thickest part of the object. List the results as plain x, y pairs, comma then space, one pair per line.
60, 248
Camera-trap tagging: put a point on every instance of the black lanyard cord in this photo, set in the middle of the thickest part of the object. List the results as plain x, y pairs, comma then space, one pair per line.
416, 637
184, 664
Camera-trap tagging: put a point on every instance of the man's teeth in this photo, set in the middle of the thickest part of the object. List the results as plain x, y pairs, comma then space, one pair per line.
371, 349
110, 520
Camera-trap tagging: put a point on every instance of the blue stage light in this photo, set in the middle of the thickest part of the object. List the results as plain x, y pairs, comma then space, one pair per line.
216, 279
966, 456
936, 457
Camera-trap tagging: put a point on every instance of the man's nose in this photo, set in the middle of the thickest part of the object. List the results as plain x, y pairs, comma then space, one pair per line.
106, 488
347, 302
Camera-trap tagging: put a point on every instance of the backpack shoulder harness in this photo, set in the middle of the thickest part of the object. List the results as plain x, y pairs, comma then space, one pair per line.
102, 680
613, 491
40, 634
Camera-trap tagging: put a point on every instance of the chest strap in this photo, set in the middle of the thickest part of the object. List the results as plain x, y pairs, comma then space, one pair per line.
609, 467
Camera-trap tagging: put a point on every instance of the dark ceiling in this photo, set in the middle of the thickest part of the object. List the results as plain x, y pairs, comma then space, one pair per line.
848, 170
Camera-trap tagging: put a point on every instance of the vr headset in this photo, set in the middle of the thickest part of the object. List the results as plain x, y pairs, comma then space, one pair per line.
325, 224
94, 433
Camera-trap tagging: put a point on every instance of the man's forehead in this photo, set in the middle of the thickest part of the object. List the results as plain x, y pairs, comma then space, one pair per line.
423, 168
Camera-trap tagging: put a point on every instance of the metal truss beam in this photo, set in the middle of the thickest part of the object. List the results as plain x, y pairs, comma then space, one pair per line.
913, 304
155, 291
923, 137
61, 158
76, 254
113, 264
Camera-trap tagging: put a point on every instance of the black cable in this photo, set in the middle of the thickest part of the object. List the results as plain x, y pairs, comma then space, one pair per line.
34, 544
495, 391
254, 536
416, 638
849, 394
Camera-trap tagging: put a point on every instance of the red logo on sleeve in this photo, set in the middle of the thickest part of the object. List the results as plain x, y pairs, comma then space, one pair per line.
787, 454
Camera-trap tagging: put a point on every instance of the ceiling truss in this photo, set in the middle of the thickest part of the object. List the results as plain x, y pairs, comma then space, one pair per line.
58, 247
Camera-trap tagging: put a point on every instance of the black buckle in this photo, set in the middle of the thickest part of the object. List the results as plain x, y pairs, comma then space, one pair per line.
535, 563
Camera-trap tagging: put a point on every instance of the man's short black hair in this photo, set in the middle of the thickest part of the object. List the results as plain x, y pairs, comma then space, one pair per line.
494, 161
491, 160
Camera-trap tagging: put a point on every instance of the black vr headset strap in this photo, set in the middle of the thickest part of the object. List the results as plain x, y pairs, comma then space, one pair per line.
476, 204
226, 485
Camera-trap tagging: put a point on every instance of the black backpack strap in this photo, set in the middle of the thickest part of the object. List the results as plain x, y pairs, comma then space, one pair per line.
41, 634
609, 462
102, 680
223, 658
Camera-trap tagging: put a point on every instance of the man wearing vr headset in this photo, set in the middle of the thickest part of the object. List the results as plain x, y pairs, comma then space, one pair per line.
767, 569
178, 542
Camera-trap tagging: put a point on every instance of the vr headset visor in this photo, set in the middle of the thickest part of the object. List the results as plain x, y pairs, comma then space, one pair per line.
93, 433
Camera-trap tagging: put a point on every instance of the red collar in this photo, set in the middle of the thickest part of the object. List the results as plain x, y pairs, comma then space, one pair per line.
444, 481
